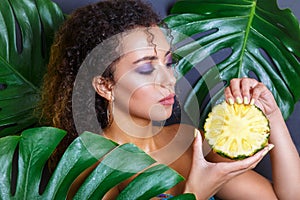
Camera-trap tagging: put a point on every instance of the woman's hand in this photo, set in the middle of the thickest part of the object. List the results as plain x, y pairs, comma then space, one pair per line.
206, 178
247, 90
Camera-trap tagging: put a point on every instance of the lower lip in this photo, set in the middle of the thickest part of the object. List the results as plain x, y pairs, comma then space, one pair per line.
167, 102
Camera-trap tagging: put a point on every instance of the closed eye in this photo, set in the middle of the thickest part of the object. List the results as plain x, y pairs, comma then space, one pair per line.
146, 68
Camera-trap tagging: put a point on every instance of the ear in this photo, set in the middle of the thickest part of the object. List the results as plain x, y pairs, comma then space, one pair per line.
103, 87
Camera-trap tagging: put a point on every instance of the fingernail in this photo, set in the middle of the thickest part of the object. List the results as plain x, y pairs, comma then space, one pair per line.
246, 101
196, 133
270, 147
266, 150
230, 100
252, 102
239, 100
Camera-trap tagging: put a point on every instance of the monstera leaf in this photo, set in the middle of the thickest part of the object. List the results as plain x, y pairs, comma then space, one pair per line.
26, 32
217, 40
23, 159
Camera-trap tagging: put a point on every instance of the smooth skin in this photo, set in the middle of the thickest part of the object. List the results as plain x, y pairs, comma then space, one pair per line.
137, 101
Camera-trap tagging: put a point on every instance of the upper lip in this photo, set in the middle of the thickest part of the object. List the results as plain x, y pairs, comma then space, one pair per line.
170, 96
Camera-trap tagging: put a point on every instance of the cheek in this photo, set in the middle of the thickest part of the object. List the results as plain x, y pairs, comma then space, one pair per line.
133, 86
140, 97
134, 98
144, 103
143, 97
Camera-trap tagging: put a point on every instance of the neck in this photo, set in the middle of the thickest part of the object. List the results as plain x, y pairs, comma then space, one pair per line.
145, 137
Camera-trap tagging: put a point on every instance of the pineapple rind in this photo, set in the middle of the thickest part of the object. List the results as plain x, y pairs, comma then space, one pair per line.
236, 131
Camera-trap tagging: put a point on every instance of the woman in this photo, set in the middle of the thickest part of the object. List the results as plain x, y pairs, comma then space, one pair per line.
133, 87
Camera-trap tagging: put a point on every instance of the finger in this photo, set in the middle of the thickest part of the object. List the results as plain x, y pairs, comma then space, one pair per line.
243, 165
228, 96
197, 146
263, 153
236, 90
235, 173
246, 85
257, 91
251, 162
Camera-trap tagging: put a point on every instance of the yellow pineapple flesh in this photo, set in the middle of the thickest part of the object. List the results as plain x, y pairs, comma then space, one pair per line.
236, 131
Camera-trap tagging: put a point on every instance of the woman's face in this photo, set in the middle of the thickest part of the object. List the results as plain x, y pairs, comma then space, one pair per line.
144, 76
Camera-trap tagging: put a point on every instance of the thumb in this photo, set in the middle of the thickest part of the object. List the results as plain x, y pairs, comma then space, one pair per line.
197, 146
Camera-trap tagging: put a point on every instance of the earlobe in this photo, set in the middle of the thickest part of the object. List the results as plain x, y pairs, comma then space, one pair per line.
103, 87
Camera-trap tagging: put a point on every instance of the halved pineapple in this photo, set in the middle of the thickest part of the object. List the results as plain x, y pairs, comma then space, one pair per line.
236, 131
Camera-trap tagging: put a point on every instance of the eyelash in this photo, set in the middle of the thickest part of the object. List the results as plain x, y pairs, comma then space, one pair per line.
170, 64
150, 68
142, 71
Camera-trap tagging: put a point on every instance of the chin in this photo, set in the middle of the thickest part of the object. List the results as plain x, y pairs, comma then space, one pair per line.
161, 116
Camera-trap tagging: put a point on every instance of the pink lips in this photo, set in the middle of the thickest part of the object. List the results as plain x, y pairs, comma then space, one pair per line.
167, 101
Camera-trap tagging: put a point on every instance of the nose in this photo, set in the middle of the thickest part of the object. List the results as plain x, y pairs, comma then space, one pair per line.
165, 76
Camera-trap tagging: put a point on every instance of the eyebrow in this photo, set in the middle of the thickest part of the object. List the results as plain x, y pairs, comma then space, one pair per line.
145, 58
149, 58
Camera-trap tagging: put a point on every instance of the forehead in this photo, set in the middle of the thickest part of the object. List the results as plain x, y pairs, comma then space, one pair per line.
144, 38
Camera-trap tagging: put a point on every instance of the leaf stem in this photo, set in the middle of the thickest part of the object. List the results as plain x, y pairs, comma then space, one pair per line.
251, 16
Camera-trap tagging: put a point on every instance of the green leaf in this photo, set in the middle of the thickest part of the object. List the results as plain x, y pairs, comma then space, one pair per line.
8, 146
151, 183
81, 154
120, 164
34, 146
186, 196
26, 34
259, 39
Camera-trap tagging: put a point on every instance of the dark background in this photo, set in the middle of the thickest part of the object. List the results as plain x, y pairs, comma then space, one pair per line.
162, 7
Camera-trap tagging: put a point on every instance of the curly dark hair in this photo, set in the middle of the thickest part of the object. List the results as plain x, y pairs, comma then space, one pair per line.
82, 31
